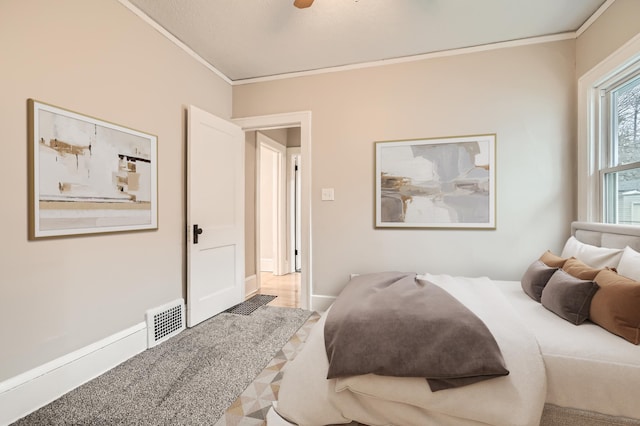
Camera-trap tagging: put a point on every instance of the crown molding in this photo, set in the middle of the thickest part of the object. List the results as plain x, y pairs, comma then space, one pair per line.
594, 17
414, 58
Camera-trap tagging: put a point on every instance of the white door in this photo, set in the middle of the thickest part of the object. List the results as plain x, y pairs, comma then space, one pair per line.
271, 161
215, 215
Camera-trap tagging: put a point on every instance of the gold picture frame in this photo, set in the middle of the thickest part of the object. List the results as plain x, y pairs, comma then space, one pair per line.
88, 176
436, 183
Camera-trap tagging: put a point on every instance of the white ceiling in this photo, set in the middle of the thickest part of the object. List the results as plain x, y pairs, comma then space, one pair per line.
246, 39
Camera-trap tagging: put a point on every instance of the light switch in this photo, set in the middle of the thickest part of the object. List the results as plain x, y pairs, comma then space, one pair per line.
327, 194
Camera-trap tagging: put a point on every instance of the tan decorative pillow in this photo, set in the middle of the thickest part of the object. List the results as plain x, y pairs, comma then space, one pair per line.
616, 305
580, 270
552, 260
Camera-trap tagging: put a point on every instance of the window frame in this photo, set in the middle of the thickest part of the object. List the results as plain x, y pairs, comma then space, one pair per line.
594, 131
608, 141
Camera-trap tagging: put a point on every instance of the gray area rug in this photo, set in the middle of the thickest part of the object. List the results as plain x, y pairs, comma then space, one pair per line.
190, 379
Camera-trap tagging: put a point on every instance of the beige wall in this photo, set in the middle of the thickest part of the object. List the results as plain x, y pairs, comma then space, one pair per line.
525, 94
293, 137
278, 135
98, 58
617, 25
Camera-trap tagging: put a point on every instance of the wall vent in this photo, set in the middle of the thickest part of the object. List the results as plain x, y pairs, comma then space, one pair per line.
165, 322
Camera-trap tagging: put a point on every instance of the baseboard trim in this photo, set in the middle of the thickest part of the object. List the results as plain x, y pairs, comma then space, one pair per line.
320, 303
25, 393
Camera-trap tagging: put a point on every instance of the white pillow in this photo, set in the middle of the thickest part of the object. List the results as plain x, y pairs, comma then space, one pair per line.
596, 257
629, 265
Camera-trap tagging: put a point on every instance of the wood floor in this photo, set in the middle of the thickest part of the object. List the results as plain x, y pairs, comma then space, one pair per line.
286, 287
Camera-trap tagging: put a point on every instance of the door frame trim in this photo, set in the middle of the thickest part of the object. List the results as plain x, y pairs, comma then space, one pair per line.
300, 119
292, 198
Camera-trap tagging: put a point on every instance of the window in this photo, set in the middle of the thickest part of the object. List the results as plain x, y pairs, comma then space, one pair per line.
620, 170
609, 139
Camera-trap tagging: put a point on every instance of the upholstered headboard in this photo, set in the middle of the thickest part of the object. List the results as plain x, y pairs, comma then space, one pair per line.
607, 235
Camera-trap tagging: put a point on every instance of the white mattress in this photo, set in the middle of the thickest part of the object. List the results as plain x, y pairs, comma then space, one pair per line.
587, 367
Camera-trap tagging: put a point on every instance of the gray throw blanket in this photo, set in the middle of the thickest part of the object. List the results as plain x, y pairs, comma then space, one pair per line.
391, 324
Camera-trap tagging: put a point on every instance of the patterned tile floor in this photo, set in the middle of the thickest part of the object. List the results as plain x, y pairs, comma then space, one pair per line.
251, 407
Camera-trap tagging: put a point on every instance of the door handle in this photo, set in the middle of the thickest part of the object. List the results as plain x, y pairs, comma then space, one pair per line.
196, 231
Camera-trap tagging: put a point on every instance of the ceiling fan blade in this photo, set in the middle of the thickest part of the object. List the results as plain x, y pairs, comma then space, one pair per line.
301, 4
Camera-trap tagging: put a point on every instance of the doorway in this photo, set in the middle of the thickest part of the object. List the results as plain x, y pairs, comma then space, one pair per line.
277, 207
301, 120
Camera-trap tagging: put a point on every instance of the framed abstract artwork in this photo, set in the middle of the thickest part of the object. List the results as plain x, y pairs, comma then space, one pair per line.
436, 183
87, 175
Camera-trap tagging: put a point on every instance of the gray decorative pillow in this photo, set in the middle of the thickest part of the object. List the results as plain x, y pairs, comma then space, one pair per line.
569, 297
535, 279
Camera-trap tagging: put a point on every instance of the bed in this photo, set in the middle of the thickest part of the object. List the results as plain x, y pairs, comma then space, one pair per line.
570, 346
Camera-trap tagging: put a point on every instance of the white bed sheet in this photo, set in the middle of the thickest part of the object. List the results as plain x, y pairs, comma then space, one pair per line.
587, 367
